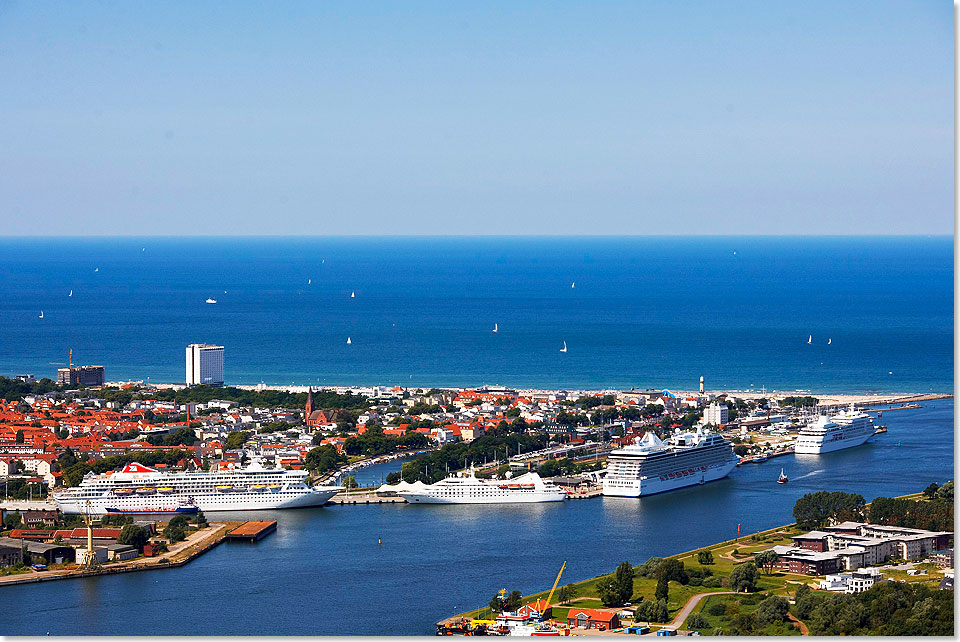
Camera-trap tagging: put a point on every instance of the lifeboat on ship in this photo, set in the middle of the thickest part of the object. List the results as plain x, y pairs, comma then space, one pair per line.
146, 490
166, 490
123, 492
258, 488
224, 488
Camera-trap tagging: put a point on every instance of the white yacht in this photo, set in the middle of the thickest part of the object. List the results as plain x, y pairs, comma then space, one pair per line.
141, 489
650, 465
848, 429
466, 488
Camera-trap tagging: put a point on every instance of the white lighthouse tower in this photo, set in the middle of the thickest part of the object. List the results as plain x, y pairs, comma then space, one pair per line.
701, 384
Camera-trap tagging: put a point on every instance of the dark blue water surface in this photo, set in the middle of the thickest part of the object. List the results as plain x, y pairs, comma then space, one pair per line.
323, 573
645, 311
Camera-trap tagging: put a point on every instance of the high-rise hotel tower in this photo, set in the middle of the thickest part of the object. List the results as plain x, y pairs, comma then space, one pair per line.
204, 364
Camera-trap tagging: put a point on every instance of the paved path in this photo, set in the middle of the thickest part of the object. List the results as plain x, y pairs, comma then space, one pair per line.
689, 606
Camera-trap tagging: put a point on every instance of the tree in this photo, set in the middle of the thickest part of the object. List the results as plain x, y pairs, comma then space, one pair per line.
649, 568
802, 591
349, 482
744, 577
814, 510
623, 577
740, 450
663, 588
513, 601
766, 560
236, 439
201, 519
673, 569
393, 478
133, 535
496, 604
567, 593
12, 520
697, 621
652, 611
772, 610
705, 557
946, 492
931, 491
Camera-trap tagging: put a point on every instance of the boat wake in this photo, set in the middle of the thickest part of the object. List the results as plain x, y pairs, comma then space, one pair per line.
810, 474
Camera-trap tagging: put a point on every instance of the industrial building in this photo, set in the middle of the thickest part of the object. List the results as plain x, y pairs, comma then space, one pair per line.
204, 364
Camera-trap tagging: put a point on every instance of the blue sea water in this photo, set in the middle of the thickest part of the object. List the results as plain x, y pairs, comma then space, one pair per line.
323, 572
645, 311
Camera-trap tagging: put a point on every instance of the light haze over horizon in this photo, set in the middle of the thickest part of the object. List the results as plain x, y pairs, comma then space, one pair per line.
494, 118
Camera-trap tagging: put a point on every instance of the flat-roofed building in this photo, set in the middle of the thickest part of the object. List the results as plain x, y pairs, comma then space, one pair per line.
81, 376
204, 364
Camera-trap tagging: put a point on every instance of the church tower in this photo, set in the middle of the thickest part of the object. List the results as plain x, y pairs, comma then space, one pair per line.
309, 408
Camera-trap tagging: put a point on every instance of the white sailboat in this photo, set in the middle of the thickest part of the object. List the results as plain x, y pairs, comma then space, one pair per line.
71, 293
573, 285
96, 269
349, 341
211, 300
810, 339
353, 295
829, 341
309, 281
496, 328
564, 348
41, 314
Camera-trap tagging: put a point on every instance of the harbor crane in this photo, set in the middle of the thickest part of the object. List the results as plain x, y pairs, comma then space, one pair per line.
90, 557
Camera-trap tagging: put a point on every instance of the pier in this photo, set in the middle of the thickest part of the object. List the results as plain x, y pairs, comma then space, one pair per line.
252, 531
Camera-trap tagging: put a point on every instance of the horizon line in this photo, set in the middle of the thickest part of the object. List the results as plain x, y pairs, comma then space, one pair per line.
489, 236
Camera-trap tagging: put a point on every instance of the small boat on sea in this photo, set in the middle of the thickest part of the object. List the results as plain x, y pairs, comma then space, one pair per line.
41, 314
564, 348
782, 479
353, 295
496, 328
211, 300
810, 339
759, 459
349, 341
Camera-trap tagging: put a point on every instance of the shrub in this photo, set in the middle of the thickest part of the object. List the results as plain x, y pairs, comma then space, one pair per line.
697, 621
712, 582
717, 608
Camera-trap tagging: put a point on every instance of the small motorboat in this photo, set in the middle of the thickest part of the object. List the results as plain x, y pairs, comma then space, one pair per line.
782, 479
211, 300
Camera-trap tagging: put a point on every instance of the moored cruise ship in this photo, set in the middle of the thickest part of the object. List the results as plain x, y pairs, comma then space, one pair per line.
141, 489
650, 465
466, 488
848, 429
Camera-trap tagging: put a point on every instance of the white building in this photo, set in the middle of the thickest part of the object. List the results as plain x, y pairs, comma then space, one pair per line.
856, 582
204, 364
717, 414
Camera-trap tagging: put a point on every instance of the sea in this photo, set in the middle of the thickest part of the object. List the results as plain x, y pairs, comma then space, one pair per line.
858, 315
396, 569
824, 314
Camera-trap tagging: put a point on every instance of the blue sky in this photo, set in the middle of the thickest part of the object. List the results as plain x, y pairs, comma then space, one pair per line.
476, 118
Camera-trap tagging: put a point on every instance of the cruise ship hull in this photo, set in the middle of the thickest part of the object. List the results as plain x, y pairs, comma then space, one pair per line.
654, 485
833, 444
222, 502
525, 498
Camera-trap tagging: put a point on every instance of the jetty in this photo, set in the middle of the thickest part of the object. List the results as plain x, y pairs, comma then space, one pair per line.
367, 497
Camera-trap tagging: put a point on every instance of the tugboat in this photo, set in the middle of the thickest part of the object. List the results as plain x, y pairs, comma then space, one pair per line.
782, 479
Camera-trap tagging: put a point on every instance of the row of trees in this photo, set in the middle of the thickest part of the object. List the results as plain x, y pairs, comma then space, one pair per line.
887, 608
322, 399
324, 459
15, 390
814, 510
934, 514
432, 467
373, 442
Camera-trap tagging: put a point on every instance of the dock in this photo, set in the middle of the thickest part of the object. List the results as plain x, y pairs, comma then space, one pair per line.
251, 531
365, 498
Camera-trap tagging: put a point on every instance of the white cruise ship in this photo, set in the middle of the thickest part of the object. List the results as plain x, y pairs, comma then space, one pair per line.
466, 488
141, 489
650, 466
848, 429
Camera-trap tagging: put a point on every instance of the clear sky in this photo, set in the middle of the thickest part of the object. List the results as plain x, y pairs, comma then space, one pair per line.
419, 117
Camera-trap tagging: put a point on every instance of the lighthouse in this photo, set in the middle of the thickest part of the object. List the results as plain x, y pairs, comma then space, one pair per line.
701, 384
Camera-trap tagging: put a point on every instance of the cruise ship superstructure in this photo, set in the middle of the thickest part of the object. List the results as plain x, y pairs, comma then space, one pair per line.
848, 429
651, 465
141, 489
466, 488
